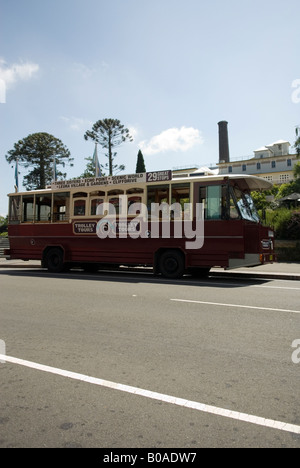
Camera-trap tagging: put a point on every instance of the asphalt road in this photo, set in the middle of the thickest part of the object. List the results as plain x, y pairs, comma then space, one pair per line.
223, 343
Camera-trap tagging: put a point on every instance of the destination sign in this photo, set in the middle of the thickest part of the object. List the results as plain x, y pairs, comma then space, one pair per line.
158, 176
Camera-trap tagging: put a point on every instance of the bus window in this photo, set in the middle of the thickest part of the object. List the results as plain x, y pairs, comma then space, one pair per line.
216, 202
134, 191
80, 195
246, 205
27, 208
79, 207
136, 201
233, 210
181, 195
43, 208
14, 210
114, 205
115, 192
61, 206
114, 201
97, 206
97, 193
158, 194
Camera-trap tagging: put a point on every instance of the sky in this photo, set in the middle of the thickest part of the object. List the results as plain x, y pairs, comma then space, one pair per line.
169, 70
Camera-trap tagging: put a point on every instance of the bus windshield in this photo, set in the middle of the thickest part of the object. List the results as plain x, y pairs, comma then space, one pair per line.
246, 205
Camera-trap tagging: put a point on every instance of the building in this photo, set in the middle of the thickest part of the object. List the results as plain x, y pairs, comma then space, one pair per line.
272, 162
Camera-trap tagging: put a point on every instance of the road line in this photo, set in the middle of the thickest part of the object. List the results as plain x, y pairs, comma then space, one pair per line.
248, 418
236, 305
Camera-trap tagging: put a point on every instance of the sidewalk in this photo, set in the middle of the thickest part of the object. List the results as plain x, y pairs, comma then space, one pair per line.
288, 271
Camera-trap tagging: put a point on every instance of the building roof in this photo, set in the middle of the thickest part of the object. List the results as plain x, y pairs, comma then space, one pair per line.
263, 148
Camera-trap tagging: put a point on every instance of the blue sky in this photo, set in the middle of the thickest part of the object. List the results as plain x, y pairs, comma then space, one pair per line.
169, 70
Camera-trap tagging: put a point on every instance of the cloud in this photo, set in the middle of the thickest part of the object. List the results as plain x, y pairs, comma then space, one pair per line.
173, 139
77, 124
133, 132
17, 72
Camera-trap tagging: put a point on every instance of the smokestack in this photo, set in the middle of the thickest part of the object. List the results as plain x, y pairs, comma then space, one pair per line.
223, 142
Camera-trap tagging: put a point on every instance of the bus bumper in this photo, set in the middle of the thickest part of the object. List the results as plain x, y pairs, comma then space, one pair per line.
267, 258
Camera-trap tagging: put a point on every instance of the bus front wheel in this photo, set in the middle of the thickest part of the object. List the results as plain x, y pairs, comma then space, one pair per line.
171, 264
54, 260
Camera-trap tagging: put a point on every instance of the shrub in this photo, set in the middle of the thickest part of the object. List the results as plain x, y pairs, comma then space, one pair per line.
285, 222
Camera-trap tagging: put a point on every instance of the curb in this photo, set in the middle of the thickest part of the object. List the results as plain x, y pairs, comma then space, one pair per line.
281, 276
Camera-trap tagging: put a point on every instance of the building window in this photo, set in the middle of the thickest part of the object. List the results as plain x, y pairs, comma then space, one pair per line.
258, 166
273, 164
289, 163
230, 169
244, 167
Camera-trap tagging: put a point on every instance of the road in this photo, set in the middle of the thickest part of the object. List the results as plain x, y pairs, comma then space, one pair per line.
132, 342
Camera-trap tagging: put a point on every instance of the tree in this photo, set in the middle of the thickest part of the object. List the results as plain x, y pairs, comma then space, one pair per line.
297, 142
39, 151
140, 165
109, 133
89, 170
3, 224
297, 171
297, 146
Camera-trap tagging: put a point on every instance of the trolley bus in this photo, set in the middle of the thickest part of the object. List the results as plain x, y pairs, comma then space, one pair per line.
174, 225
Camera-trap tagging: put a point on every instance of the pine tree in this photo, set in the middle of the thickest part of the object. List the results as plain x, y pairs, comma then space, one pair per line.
38, 152
109, 133
140, 165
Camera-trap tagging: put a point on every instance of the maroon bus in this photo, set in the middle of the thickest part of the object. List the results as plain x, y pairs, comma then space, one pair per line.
173, 225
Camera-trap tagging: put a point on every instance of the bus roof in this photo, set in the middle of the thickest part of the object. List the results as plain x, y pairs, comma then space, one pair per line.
252, 183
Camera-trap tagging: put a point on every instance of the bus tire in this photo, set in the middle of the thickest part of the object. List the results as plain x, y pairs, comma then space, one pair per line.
172, 264
54, 260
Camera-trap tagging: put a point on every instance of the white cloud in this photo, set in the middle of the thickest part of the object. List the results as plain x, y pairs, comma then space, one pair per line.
17, 72
133, 132
173, 139
77, 124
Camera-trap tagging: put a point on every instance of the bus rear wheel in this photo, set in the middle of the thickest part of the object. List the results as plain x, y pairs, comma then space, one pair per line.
171, 264
54, 260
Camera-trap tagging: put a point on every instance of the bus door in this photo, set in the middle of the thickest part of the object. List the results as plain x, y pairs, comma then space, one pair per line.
223, 226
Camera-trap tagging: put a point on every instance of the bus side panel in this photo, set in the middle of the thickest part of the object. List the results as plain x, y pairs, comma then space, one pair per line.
222, 240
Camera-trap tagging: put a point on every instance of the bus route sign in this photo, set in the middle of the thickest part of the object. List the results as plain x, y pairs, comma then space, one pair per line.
158, 176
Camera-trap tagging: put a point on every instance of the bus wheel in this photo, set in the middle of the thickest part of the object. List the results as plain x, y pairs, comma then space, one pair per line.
171, 264
55, 260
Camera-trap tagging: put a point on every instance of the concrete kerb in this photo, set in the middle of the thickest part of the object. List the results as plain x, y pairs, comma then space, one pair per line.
255, 275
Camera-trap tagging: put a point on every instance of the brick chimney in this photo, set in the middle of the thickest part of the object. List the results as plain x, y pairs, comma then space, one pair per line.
223, 142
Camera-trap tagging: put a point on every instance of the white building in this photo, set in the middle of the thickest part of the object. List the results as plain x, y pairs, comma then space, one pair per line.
272, 162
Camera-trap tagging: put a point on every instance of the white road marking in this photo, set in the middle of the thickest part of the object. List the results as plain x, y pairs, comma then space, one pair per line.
248, 418
236, 305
